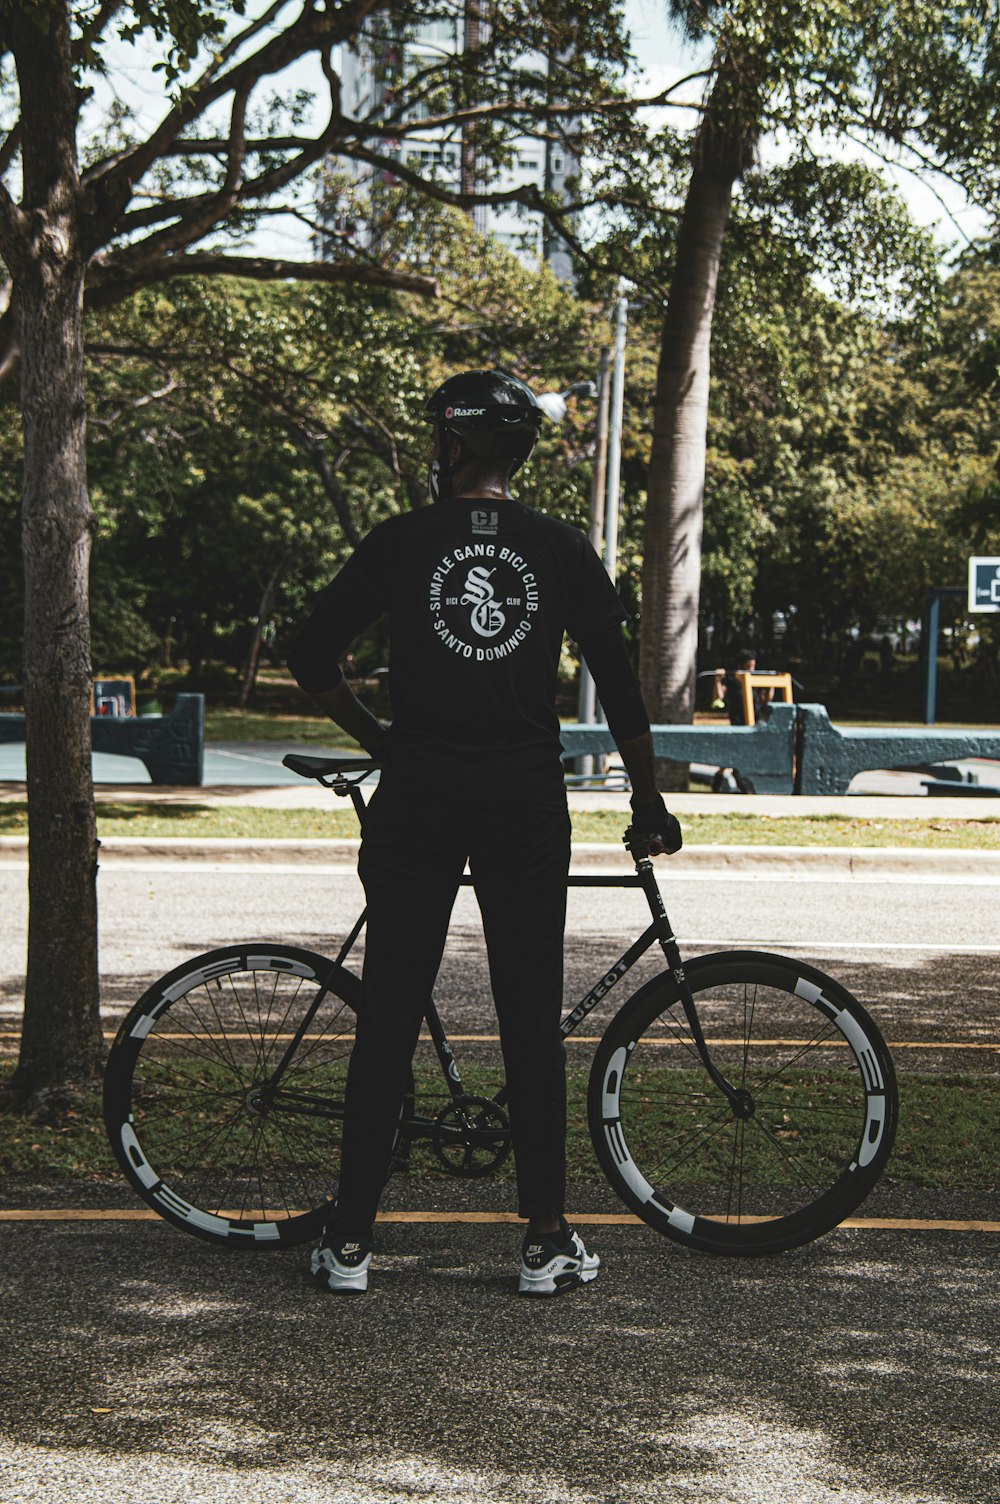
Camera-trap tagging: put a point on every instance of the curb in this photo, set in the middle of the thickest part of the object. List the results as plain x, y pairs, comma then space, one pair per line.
763, 861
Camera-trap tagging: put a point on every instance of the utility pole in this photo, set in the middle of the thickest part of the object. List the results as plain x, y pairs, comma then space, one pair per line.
607, 487
615, 437
587, 704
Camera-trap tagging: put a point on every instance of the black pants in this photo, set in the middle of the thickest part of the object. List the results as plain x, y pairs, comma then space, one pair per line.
413, 854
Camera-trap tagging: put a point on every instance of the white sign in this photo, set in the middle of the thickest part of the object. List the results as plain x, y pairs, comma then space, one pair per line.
984, 584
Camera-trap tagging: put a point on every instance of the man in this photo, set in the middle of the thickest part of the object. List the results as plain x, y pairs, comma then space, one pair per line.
728, 690
479, 590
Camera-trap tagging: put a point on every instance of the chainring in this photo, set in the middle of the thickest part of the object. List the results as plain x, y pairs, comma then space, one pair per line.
471, 1137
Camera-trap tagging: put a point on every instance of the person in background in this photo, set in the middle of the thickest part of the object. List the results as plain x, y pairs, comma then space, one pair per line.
728, 690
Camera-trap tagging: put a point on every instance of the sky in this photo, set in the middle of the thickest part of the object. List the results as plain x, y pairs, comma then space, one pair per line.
664, 58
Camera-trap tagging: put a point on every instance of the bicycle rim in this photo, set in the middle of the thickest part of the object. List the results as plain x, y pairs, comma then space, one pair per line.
823, 1105
194, 1117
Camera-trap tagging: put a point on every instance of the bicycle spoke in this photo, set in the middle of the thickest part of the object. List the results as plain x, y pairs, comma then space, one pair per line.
246, 1025
202, 1094
811, 1044
223, 1197
285, 1017
302, 1138
732, 1166
301, 1061
718, 1125
223, 1034
789, 1159
276, 1177
216, 1057
296, 1171
260, 1017
165, 1141
204, 1171
747, 1032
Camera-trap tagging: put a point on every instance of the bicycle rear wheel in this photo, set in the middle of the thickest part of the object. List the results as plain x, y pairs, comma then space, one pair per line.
195, 1119
821, 1110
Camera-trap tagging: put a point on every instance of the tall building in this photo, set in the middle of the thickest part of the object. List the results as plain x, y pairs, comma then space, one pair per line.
374, 72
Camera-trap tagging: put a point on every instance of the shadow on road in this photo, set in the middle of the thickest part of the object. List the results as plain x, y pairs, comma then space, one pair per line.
142, 1365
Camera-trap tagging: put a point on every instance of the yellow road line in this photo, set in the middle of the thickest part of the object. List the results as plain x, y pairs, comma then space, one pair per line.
899, 1044
583, 1219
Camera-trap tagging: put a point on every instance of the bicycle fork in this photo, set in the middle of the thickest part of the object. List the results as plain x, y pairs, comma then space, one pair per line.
739, 1099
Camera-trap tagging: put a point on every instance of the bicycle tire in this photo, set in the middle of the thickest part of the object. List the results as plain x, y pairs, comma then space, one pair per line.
183, 1104
824, 1093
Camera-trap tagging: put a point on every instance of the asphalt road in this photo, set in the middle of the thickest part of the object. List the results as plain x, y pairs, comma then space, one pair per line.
148, 1368
151, 1369
922, 955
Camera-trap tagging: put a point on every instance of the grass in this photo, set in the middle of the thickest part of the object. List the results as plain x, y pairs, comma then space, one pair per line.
949, 1125
194, 821
796, 830
224, 723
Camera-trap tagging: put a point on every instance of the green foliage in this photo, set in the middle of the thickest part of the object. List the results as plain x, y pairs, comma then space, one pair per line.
241, 434
184, 25
839, 440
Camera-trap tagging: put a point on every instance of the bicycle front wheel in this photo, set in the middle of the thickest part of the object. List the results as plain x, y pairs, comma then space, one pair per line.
206, 1127
813, 1127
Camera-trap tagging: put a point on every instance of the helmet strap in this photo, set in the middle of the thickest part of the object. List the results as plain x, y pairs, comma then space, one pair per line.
439, 482
440, 479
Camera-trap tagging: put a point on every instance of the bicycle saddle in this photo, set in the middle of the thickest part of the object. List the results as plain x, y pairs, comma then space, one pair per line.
326, 767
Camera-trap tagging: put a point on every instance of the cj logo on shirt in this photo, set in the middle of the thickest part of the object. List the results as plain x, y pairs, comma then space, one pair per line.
484, 524
494, 603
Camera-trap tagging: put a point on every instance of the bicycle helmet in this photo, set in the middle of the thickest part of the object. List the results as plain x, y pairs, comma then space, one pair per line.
493, 416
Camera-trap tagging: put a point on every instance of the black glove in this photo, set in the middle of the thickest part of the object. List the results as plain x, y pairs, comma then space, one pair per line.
654, 830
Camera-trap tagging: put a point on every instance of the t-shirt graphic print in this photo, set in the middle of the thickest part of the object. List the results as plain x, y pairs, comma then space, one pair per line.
483, 610
478, 599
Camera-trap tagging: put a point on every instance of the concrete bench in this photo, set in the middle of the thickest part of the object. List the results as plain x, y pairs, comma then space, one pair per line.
763, 753
798, 750
829, 757
172, 747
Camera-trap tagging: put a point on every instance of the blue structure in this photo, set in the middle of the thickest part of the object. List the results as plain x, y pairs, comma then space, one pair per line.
797, 750
763, 753
172, 747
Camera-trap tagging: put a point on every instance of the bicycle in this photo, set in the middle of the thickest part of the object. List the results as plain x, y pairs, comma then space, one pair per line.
740, 1103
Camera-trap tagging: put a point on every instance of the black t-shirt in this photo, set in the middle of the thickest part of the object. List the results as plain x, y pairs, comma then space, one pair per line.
734, 700
478, 594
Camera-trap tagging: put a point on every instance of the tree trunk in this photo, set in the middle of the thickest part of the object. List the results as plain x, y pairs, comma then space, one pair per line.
61, 1041
253, 656
671, 573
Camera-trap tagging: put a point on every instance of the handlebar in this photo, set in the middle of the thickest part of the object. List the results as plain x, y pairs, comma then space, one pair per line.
639, 846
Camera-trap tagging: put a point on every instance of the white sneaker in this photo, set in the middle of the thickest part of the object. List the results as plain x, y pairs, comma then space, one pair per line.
342, 1265
553, 1264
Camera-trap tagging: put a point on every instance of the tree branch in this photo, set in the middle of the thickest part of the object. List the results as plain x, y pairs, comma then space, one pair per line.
311, 31
9, 348
527, 194
112, 280
928, 165
13, 230
198, 215
118, 277
535, 109
10, 147
240, 40
107, 12
110, 418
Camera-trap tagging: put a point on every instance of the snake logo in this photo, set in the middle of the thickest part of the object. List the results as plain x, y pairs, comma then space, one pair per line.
486, 617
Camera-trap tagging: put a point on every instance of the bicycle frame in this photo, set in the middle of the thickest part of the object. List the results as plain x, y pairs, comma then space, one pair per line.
659, 931
193, 1103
